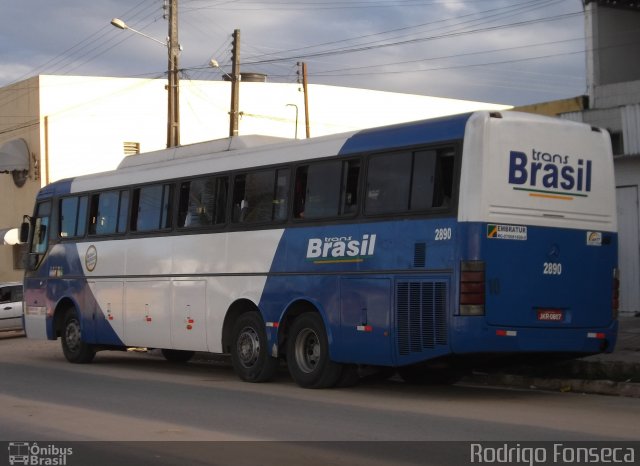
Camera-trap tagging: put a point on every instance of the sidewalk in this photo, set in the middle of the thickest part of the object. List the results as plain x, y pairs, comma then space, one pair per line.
616, 373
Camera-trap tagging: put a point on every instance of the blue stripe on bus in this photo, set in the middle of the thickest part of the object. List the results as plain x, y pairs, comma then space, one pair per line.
57, 188
95, 328
407, 134
351, 291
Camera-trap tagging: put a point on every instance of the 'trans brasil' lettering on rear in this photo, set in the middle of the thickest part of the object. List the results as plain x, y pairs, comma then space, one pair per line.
548, 175
340, 249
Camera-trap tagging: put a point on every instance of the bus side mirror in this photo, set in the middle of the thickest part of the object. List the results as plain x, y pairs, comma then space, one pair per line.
24, 232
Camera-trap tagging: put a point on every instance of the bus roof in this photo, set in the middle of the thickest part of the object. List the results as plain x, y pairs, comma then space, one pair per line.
243, 152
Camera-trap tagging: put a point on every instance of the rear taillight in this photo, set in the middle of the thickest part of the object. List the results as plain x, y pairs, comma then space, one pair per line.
472, 287
615, 294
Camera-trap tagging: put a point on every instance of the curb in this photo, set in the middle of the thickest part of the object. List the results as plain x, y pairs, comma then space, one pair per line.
598, 387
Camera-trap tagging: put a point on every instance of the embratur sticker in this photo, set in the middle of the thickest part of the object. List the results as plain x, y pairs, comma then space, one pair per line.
512, 232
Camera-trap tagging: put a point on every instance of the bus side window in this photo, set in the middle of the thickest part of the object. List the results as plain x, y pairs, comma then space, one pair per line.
151, 208
444, 178
350, 174
202, 202
108, 212
281, 195
388, 183
423, 180
73, 217
409, 181
255, 196
318, 190
40, 240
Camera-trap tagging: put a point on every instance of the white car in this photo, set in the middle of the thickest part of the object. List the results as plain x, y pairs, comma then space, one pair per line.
11, 306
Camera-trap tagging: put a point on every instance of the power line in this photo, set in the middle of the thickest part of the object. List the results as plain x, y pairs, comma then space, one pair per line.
410, 41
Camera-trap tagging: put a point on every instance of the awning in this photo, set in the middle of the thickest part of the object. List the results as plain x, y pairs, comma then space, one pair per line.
10, 236
14, 156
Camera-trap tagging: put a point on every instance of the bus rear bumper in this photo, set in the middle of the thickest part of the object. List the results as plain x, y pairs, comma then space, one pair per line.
473, 335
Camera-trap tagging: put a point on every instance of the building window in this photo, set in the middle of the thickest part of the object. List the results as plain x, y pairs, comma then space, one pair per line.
617, 143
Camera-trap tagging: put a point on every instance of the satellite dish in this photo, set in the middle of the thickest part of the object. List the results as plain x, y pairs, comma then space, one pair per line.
14, 159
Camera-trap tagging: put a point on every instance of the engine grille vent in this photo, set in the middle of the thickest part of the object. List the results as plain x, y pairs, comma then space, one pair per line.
420, 255
421, 318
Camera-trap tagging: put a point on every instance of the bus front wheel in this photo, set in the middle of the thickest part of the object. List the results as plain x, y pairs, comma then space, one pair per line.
308, 354
249, 350
74, 348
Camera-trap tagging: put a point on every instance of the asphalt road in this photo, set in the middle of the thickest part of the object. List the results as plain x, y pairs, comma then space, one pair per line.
126, 397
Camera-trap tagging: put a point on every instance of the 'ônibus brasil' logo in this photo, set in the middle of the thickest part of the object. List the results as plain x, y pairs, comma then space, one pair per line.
331, 250
547, 175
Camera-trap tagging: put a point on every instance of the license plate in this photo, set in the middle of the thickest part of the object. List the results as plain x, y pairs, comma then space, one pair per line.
550, 315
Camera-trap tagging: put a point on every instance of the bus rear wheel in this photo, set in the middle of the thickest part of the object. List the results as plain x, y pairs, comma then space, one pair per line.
74, 348
249, 349
308, 354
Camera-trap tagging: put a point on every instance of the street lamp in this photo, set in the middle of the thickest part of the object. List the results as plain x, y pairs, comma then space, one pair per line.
122, 25
173, 49
213, 63
234, 112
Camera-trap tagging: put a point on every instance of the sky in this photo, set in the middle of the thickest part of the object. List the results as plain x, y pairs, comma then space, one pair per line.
512, 52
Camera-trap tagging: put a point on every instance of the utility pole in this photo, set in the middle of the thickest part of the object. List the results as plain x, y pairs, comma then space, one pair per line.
235, 84
173, 88
303, 65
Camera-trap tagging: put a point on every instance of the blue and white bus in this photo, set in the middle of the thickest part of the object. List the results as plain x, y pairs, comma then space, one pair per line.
414, 247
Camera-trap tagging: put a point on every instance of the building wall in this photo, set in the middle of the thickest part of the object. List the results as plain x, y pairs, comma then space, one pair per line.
627, 172
613, 35
89, 119
18, 120
613, 74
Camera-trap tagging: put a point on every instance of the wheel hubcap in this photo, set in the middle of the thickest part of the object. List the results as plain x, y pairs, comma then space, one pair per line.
248, 347
307, 350
72, 335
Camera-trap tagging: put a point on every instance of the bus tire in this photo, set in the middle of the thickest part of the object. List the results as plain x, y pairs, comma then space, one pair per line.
74, 348
249, 349
308, 353
349, 376
177, 356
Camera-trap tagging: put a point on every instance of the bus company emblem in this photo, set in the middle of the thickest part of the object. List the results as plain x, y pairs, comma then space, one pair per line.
91, 258
594, 238
333, 250
551, 176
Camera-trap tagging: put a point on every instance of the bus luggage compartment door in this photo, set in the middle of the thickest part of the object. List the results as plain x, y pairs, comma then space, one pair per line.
365, 314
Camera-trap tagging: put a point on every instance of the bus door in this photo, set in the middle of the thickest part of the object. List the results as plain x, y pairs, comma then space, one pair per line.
35, 290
